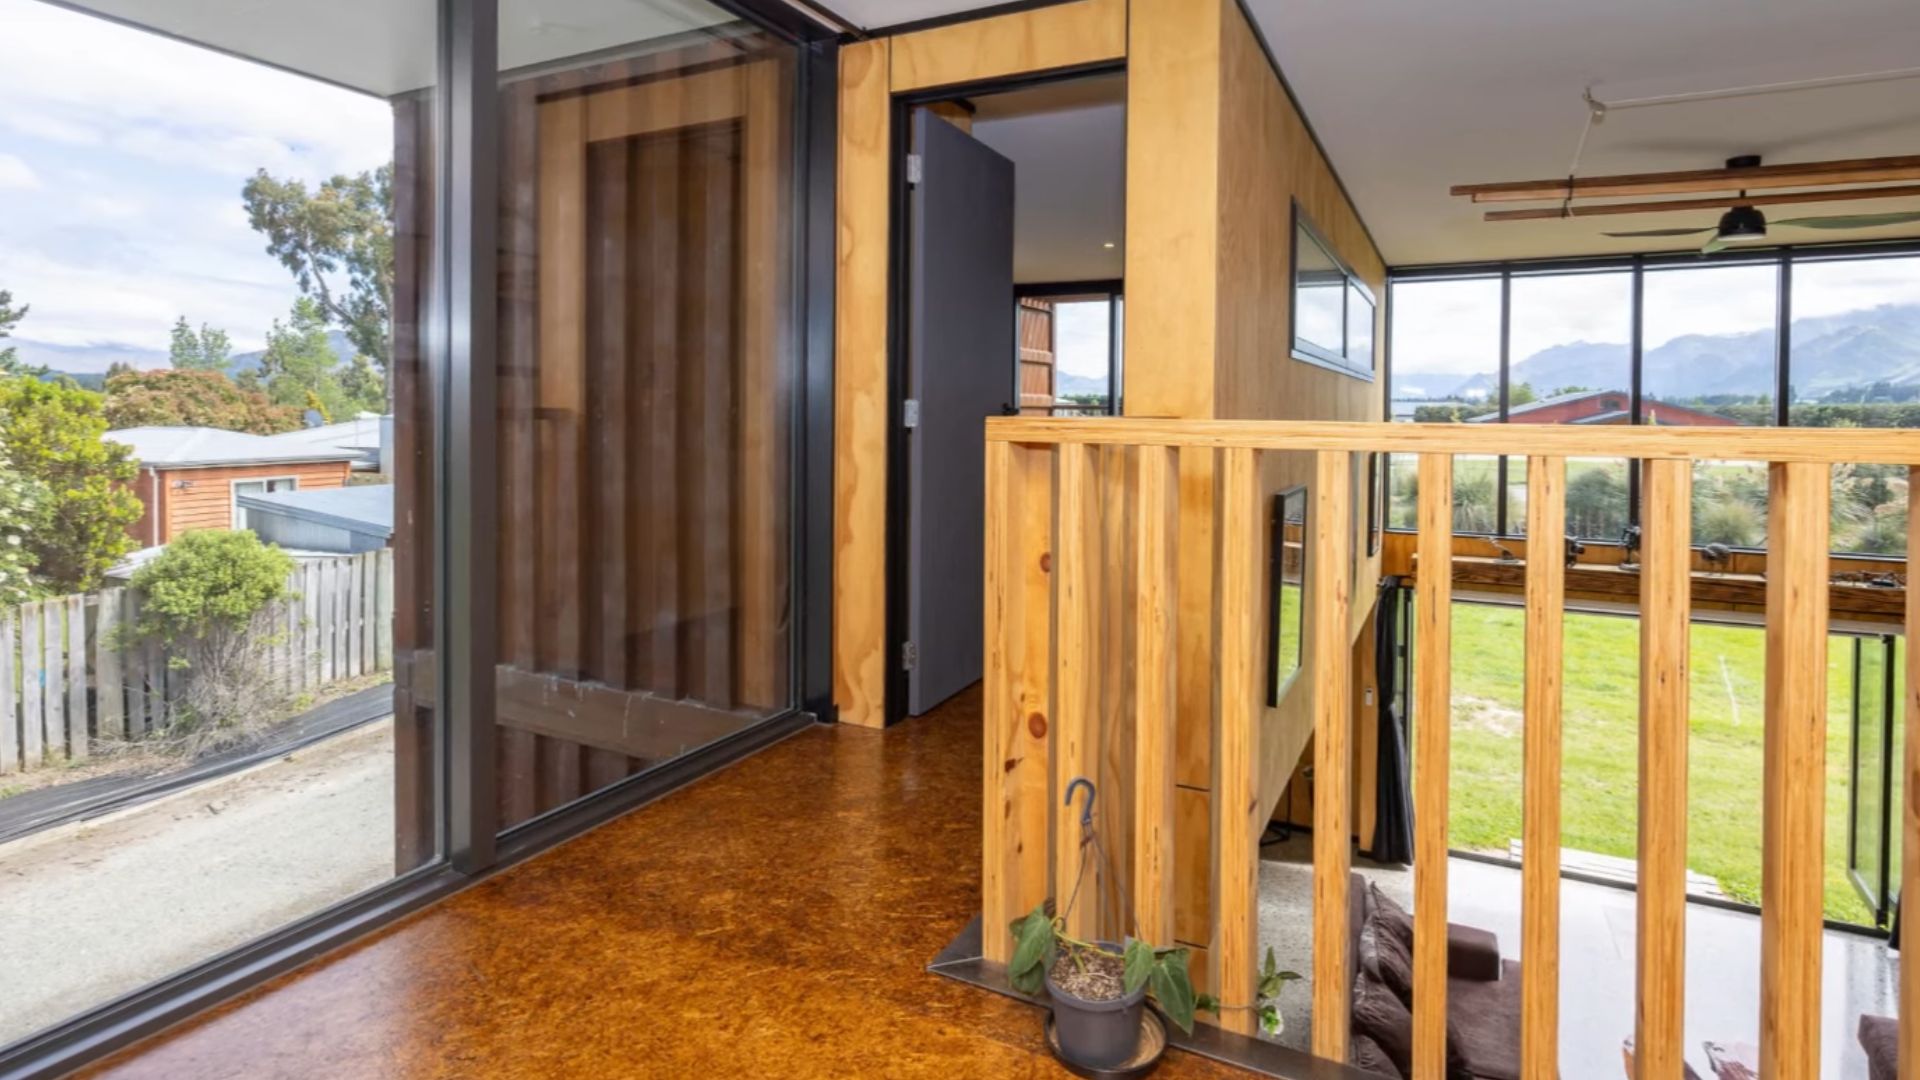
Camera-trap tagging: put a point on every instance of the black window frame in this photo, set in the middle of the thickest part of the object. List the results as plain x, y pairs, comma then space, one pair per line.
1783, 257
462, 333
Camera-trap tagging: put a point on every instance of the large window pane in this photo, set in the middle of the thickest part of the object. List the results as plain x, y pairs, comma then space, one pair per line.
647, 378
1446, 369
1855, 364
1572, 364
214, 388
1708, 357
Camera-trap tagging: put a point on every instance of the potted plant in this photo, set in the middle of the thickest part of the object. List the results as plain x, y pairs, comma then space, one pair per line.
1099, 988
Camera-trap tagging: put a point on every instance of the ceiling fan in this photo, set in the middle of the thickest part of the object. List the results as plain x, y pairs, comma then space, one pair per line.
1741, 220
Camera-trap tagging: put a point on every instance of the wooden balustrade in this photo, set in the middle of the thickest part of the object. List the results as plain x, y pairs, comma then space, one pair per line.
1055, 572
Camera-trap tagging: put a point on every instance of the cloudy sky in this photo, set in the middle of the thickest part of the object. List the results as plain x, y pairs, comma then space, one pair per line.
1454, 326
122, 155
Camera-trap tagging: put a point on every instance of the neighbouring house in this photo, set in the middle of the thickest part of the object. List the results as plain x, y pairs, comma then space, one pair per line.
192, 477
363, 434
347, 520
1603, 407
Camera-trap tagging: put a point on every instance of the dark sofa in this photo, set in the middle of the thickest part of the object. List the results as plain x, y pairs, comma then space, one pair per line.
1483, 993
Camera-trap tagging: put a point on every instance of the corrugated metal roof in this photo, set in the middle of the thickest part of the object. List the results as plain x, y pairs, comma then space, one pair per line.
179, 447
363, 508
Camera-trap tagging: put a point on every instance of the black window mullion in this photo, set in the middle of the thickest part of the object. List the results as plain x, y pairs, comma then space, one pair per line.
1783, 340
1506, 388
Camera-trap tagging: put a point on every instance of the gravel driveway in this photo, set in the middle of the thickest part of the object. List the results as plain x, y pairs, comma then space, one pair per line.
91, 911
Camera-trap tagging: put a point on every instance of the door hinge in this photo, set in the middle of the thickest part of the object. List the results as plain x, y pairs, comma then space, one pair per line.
916, 168
909, 656
910, 413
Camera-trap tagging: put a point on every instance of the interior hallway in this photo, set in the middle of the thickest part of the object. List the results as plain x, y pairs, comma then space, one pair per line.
774, 919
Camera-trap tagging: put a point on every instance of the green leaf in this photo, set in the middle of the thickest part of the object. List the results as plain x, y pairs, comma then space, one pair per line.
1206, 1003
1174, 990
1270, 1019
1033, 943
1139, 964
1271, 966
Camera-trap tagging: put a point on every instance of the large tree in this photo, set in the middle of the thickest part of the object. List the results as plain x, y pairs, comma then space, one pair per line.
56, 433
10, 317
300, 368
163, 398
343, 227
207, 349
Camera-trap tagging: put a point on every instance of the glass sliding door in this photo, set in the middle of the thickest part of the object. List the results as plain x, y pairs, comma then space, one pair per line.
647, 370
218, 235
1870, 807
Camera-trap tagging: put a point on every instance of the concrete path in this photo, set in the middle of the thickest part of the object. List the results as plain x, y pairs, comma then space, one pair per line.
91, 910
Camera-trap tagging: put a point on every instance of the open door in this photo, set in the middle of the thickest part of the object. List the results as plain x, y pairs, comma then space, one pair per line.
960, 344
1871, 822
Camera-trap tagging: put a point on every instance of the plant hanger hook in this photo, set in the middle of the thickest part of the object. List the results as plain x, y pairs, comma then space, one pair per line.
1086, 812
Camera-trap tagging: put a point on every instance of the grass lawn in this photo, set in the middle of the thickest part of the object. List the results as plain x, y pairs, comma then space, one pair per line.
1601, 745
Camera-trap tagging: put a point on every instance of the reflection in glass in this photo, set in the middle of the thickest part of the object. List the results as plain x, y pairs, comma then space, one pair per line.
1319, 302
1289, 557
647, 373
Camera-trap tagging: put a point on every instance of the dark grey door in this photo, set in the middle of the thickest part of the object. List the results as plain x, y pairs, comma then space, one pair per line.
961, 357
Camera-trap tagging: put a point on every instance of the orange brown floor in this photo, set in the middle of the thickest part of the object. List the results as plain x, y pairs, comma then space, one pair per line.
774, 919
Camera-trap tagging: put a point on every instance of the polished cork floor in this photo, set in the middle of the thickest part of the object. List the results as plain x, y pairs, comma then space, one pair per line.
774, 919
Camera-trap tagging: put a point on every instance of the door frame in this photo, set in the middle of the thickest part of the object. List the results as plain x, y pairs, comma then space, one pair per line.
899, 363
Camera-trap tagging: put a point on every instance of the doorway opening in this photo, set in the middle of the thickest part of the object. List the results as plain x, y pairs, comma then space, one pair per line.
1008, 279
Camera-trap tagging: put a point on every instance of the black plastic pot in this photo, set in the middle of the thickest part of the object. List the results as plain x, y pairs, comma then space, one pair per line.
1097, 1034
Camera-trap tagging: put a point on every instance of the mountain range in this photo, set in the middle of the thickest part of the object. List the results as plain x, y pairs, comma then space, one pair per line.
1830, 352
82, 361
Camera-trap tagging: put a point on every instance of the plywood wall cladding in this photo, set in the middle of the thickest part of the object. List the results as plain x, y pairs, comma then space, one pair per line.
645, 375
871, 72
1020, 43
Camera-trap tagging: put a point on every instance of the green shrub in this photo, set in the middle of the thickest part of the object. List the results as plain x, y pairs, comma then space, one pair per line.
209, 600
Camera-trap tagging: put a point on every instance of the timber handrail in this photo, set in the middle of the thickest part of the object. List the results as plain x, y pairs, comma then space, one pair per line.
1096, 526
1828, 446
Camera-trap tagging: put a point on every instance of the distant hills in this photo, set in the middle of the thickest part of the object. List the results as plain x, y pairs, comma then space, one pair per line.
88, 364
1830, 353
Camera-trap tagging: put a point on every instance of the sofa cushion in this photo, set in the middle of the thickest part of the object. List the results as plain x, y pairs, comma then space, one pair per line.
1880, 1038
1483, 1020
1385, 956
1366, 1054
1391, 914
1380, 1015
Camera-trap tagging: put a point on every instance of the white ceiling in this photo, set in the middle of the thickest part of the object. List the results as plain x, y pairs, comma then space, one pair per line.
1068, 145
385, 47
1411, 96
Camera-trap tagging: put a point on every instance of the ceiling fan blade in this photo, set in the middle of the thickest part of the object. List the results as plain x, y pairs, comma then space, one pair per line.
1716, 243
1662, 232
1853, 221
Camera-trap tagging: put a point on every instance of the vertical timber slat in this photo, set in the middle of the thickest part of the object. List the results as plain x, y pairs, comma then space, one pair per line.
33, 659
1330, 631
1018, 615
53, 683
1792, 873
77, 728
1433, 696
1661, 908
109, 682
1236, 758
1540, 886
1156, 605
1075, 682
9, 706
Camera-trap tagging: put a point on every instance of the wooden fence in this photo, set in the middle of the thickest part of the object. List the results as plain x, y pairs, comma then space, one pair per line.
66, 680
